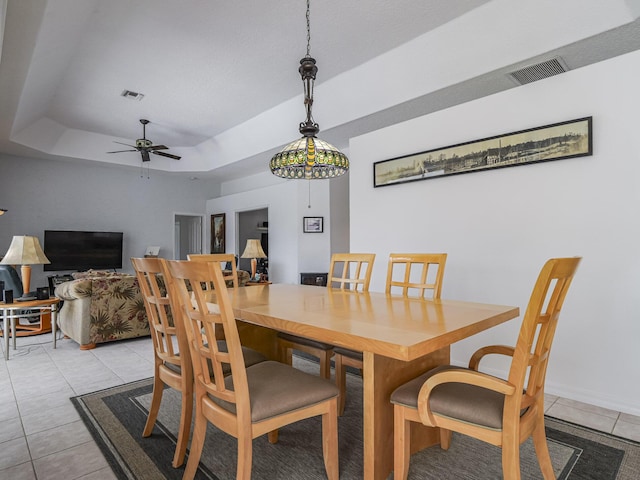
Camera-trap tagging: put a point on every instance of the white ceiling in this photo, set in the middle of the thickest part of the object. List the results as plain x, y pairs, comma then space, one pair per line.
220, 79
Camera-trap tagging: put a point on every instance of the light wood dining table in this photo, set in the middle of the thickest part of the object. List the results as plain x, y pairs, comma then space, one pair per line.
400, 337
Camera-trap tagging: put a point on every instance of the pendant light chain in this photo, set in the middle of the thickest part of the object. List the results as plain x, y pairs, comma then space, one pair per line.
308, 28
309, 157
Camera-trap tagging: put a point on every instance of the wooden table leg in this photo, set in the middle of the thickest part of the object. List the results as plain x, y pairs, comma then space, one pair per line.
382, 375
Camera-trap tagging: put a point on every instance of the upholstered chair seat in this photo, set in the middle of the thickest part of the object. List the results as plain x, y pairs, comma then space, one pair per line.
464, 402
345, 352
276, 388
304, 341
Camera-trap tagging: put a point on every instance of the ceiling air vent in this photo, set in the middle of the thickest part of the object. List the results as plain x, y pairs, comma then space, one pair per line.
536, 72
132, 95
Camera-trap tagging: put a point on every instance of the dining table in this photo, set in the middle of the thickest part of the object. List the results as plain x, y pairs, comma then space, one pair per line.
400, 337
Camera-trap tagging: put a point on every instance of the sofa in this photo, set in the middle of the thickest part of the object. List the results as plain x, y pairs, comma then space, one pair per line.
101, 306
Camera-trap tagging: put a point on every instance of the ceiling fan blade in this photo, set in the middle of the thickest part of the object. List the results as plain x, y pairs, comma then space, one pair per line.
132, 146
145, 155
120, 151
168, 155
158, 147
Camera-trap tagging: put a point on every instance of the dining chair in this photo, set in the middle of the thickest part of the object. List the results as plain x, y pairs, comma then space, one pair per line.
344, 357
172, 363
227, 258
347, 271
501, 412
251, 401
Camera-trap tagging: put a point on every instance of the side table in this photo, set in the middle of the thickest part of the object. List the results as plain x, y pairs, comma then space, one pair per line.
12, 311
251, 284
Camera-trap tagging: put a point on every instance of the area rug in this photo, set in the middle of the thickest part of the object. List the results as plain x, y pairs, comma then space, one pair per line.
116, 418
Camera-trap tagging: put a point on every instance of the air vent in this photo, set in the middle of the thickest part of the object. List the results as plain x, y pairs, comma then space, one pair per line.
132, 95
536, 72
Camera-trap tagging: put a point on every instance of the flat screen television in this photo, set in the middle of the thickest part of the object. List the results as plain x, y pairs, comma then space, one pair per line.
72, 250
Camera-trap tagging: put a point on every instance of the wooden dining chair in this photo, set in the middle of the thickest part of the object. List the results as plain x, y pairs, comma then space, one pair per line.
172, 363
401, 273
226, 258
344, 357
252, 400
347, 271
500, 412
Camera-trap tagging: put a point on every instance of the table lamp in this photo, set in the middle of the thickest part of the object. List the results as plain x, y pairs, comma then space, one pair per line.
25, 251
253, 250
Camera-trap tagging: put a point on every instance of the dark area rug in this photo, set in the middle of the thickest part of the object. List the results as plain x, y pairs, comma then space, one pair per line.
116, 418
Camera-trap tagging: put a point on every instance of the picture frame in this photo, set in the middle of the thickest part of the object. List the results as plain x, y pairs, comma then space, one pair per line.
218, 233
557, 141
313, 224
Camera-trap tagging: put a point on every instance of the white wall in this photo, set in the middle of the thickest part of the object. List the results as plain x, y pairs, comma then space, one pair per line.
290, 250
499, 227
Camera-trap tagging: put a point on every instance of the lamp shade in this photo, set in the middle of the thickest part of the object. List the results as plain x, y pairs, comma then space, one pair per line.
25, 250
253, 249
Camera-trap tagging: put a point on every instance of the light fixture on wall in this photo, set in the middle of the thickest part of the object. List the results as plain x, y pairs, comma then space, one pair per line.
25, 251
3, 211
309, 158
253, 250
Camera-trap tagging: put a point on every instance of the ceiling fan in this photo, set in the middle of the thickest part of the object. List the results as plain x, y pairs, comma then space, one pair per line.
145, 146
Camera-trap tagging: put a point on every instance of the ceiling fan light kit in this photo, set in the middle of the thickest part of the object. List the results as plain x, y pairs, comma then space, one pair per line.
146, 146
309, 158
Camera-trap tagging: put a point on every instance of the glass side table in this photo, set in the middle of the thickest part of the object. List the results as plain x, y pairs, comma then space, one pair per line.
12, 311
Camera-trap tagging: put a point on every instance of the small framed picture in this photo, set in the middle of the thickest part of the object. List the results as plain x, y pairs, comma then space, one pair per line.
217, 233
313, 224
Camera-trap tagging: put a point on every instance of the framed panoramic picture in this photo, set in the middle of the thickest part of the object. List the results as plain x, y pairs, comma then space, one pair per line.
217, 233
313, 224
557, 141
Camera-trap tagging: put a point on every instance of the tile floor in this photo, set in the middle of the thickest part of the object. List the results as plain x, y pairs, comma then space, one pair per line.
42, 436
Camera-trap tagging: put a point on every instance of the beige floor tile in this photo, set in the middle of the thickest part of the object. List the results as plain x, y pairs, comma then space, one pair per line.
11, 429
582, 417
49, 400
14, 452
71, 463
24, 471
57, 439
625, 417
605, 412
9, 410
102, 474
627, 430
48, 418
549, 400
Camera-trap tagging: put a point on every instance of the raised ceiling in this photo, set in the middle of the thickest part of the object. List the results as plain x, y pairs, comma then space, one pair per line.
220, 80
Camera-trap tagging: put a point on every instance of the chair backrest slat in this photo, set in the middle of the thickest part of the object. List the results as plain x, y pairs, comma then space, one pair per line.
531, 355
356, 271
164, 331
204, 311
427, 261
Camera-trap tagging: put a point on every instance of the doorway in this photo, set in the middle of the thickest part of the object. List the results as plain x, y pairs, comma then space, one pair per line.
187, 236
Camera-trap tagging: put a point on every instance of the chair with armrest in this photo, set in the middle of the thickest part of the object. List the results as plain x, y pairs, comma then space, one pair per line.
501, 412
355, 275
344, 357
252, 400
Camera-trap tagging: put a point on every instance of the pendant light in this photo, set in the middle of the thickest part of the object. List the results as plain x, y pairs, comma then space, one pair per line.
309, 158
